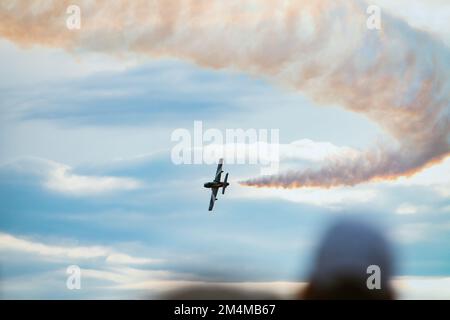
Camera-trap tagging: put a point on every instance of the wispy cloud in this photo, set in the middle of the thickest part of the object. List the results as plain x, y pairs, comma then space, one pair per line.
11, 243
411, 288
334, 199
406, 208
419, 232
61, 178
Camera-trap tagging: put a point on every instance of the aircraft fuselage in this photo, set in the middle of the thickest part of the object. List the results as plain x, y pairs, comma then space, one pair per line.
215, 184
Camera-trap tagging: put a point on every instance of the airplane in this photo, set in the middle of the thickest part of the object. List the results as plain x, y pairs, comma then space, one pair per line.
216, 185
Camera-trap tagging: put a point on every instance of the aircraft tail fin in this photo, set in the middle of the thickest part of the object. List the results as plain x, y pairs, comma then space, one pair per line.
225, 184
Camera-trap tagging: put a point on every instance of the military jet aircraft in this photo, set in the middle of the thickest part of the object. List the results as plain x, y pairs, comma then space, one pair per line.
217, 184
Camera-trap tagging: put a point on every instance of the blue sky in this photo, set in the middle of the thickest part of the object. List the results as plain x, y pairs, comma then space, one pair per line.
86, 178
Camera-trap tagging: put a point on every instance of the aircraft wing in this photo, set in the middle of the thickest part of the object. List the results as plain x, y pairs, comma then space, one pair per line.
219, 171
213, 198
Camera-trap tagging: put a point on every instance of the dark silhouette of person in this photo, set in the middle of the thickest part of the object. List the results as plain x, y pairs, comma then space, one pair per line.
340, 269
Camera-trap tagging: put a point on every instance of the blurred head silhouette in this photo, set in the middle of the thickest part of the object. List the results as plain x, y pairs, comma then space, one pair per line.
354, 261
